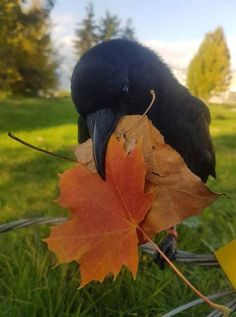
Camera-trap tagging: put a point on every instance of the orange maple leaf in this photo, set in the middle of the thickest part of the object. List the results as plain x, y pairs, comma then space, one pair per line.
102, 232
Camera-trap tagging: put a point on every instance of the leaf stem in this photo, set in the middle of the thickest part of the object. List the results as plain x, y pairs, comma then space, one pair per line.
11, 135
225, 310
152, 93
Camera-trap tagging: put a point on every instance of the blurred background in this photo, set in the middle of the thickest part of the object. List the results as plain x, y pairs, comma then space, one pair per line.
40, 42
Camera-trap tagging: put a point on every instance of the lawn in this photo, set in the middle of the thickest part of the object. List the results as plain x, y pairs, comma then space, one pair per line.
30, 283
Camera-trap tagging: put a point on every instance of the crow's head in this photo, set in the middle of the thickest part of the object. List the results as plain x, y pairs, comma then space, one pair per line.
113, 79
100, 87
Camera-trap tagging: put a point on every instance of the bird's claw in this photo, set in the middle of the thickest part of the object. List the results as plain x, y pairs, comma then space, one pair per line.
168, 247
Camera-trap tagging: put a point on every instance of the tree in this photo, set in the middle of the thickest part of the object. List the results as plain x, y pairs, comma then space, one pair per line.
9, 29
29, 64
128, 32
91, 32
109, 27
209, 70
37, 62
86, 33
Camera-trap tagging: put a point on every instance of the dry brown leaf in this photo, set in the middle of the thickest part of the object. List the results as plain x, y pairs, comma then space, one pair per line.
179, 192
84, 154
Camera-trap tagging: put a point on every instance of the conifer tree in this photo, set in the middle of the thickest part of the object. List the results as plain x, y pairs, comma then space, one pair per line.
92, 31
128, 31
86, 34
109, 27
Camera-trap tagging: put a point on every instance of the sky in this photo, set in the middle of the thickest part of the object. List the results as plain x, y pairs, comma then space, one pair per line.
173, 28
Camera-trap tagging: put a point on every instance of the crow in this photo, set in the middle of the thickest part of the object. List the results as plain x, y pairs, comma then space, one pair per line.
113, 79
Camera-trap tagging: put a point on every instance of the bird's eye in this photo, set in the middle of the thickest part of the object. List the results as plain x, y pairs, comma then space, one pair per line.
125, 90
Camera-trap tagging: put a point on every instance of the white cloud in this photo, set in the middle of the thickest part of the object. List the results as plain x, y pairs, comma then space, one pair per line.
66, 21
178, 54
63, 28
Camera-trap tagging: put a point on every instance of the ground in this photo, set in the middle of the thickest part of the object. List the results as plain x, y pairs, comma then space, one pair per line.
30, 283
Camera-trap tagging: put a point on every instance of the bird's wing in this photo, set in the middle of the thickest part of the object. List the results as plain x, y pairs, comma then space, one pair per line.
202, 154
83, 133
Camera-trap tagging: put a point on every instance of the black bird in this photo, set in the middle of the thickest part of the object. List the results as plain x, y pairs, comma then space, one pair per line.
114, 79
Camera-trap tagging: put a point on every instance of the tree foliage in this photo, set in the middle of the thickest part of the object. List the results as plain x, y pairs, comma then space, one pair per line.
109, 27
86, 34
209, 70
9, 41
128, 31
92, 31
27, 59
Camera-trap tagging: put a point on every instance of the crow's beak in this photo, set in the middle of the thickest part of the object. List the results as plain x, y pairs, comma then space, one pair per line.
101, 124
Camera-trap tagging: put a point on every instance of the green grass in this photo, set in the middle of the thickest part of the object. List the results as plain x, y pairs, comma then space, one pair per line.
31, 285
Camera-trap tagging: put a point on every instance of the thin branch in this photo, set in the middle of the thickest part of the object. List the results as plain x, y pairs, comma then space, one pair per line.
11, 135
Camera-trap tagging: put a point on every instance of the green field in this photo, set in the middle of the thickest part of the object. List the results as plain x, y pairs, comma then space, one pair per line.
31, 285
